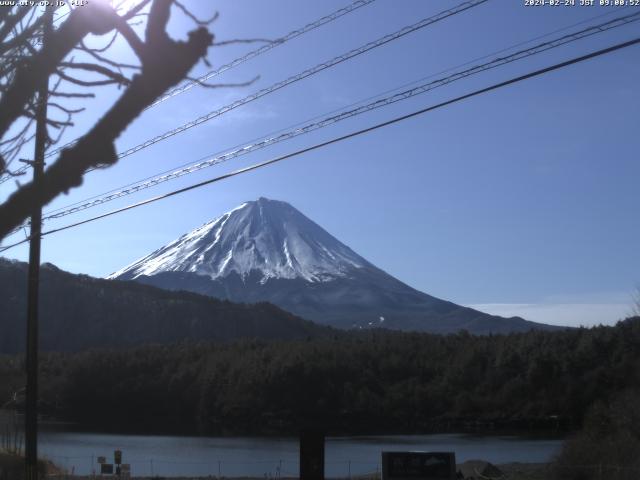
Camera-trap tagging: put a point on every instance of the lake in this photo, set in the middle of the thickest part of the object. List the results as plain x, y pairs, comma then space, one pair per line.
273, 457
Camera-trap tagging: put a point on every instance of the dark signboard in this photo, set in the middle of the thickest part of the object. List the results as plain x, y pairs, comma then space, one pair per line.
106, 469
117, 457
418, 465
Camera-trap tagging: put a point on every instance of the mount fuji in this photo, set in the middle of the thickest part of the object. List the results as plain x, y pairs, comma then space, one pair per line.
266, 250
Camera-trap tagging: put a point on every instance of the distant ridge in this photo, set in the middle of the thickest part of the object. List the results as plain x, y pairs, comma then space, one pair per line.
266, 250
79, 312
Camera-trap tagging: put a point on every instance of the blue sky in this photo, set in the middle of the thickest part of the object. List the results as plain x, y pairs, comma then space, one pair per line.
521, 201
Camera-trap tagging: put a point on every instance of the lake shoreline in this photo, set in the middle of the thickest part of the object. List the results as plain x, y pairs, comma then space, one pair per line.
260, 457
525, 428
512, 470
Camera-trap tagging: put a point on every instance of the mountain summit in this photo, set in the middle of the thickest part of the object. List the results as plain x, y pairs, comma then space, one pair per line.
267, 238
266, 250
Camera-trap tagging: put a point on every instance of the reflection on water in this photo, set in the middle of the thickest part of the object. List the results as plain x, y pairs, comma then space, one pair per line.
272, 457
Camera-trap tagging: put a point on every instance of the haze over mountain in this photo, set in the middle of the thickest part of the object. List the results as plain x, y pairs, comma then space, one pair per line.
266, 250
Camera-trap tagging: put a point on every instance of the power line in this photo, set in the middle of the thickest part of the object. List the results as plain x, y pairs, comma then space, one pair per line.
256, 166
301, 130
234, 63
244, 149
24, 169
21, 171
265, 48
300, 76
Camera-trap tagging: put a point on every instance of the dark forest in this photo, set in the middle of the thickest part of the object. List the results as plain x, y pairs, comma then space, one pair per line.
347, 382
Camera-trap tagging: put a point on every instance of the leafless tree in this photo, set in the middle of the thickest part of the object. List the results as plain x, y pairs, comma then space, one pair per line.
162, 63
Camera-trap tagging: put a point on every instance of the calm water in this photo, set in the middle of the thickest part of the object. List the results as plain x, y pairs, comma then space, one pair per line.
265, 457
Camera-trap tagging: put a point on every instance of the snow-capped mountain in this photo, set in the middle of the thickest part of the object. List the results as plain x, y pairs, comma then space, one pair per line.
264, 236
266, 250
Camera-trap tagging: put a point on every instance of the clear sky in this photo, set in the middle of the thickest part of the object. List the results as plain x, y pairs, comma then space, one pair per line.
521, 201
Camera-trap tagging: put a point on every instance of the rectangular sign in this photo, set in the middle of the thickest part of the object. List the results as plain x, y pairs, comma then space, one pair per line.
418, 466
106, 469
102, 459
117, 457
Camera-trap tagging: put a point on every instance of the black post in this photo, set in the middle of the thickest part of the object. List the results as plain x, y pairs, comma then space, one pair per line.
31, 416
312, 454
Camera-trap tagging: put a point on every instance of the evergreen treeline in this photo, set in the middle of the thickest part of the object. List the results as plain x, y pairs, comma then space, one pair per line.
355, 382
608, 445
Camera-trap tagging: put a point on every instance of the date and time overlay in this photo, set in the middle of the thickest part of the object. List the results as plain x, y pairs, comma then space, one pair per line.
581, 3
44, 3
526, 3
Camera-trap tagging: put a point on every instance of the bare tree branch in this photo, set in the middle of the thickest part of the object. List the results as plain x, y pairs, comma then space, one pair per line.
92, 67
65, 109
135, 10
106, 47
18, 135
130, 36
25, 64
195, 19
54, 123
84, 83
158, 19
94, 53
12, 20
165, 63
23, 36
95, 18
71, 95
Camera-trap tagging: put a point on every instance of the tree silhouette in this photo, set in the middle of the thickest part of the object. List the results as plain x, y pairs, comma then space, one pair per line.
163, 63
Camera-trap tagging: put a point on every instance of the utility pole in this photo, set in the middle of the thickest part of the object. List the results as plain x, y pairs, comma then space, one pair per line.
31, 417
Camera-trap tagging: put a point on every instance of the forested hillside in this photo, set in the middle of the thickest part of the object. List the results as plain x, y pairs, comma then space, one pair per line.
353, 382
79, 312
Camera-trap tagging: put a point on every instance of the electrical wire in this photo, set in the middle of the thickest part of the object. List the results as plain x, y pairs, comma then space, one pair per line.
19, 172
234, 63
395, 120
25, 168
324, 122
299, 76
263, 49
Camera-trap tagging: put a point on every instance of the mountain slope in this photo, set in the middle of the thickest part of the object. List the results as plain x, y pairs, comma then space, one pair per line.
266, 250
265, 236
79, 312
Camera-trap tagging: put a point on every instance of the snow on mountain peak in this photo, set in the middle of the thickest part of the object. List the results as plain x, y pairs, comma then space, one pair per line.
267, 236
